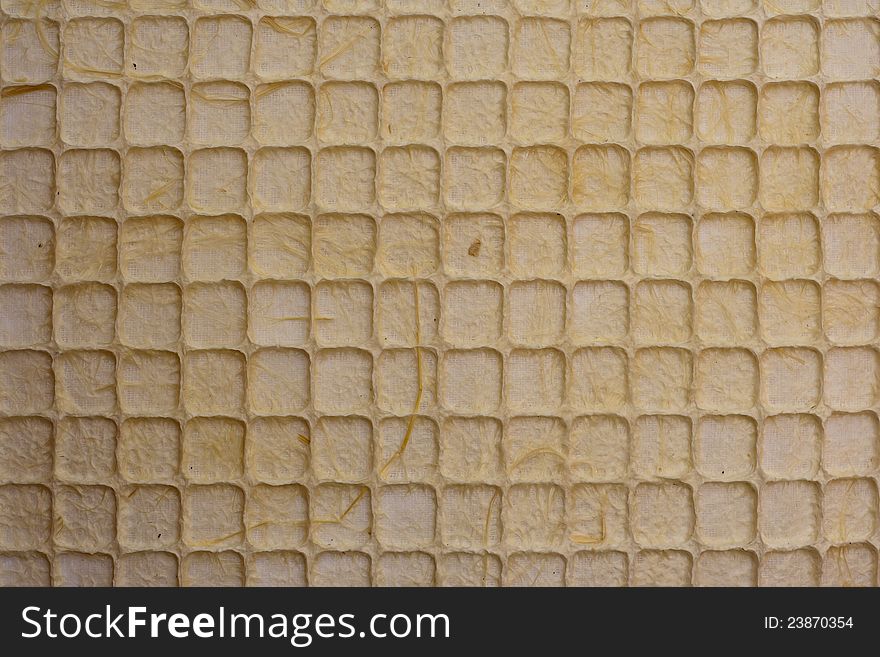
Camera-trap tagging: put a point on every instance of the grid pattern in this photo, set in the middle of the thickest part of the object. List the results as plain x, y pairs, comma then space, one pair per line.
418, 292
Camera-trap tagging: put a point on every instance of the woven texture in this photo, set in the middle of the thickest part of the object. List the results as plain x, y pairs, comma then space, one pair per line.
453, 292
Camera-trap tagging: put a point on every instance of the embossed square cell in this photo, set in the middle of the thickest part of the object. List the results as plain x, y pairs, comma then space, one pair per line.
789, 178
850, 565
343, 312
342, 449
146, 569
598, 311
726, 446
665, 47
340, 516
83, 315
727, 514
601, 111
537, 312
27, 456
470, 449
660, 379
280, 179
148, 382
38, 104
662, 312
285, 47
29, 175
788, 112
597, 515
220, 47
406, 380
149, 316
534, 569
88, 181
474, 177
349, 47
598, 379
726, 312
216, 180
791, 378
214, 248
537, 245
84, 517
278, 381
409, 178
851, 245
284, 113
85, 382
399, 123
727, 177
407, 449
155, 113
794, 568
26, 517
475, 113
541, 48
726, 568
25, 569
473, 245
535, 380
34, 257
538, 177
598, 448
725, 245
790, 513
344, 245
662, 244
406, 516
533, 516
728, 48
30, 50
279, 313
344, 178
277, 449
788, 246
80, 569
148, 449
218, 113
213, 449
851, 49
212, 569
851, 112
600, 177
664, 112
280, 245
790, 47
149, 518
663, 178
412, 47
400, 321
598, 569
852, 378
277, 517
348, 112
277, 568
533, 448
85, 449
470, 516
213, 516
28, 382
408, 245
790, 312
661, 446
599, 245
790, 446
725, 111
157, 45
214, 314
851, 178
539, 112
214, 382
470, 380
92, 48
852, 444
341, 569
153, 179
849, 510
26, 315
343, 380
662, 514
476, 47
603, 49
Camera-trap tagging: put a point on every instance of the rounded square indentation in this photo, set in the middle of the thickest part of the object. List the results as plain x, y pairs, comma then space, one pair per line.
407, 313
281, 179
212, 569
409, 245
149, 518
158, 45
85, 382
538, 113
852, 444
790, 513
153, 179
470, 516
665, 47
146, 569
603, 48
601, 112
148, 449
214, 314
412, 47
537, 245
470, 449
285, 47
473, 245
662, 312
343, 312
600, 177
791, 379
726, 380
406, 516
599, 312
278, 381
662, 515
534, 569
598, 379
471, 380
85, 449
38, 104
788, 246
277, 517
407, 449
214, 382
341, 569
349, 47
538, 177
86, 249
219, 113
790, 312
29, 175
348, 112
149, 248
343, 380
728, 48
851, 48
851, 178
280, 245
284, 113
342, 449
536, 312
409, 178
475, 113
790, 446
279, 313
26, 517
25, 569
725, 245
155, 113
33, 257
216, 180
79, 569
344, 245
790, 47
278, 449
598, 448
214, 248
27, 455
727, 178
28, 382
788, 112
663, 178
535, 380
851, 245
30, 50
221, 47
213, 516
660, 379
474, 177
534, 516
600, 245
851, 112
93, 48
406, 380
26, 315
662, 244
597, 515
726, 568
344, 178
726, 111
88, 181
727, 514
849, 510
661, 446
533, 448
84, 315
726, 312
795, 568
850, 565
852, 378
341, 517
148, 382
399, 122
789, 178
84, 517
664, 112
726, 446
541, 48
476, 47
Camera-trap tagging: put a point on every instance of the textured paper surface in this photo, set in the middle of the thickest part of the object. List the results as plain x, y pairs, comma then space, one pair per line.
417, 292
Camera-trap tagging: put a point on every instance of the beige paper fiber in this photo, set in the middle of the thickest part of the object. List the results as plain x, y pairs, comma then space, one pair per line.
439, 292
